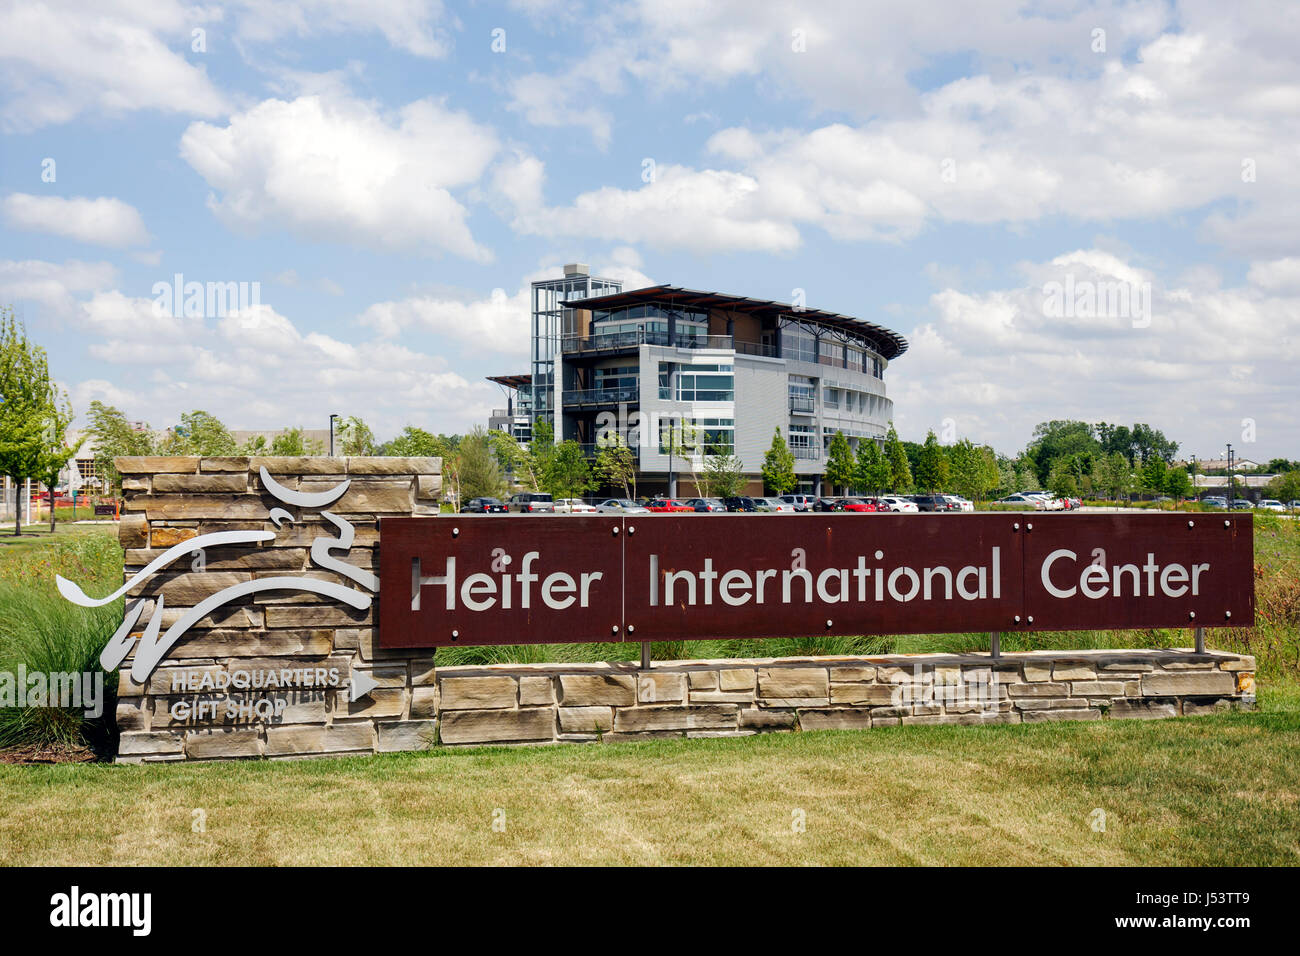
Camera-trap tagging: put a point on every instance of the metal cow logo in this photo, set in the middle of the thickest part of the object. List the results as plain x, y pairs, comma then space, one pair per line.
153, 648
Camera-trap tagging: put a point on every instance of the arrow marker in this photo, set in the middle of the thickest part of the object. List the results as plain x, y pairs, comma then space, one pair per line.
362, 684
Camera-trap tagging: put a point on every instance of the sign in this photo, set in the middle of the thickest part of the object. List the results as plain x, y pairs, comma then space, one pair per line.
561, 579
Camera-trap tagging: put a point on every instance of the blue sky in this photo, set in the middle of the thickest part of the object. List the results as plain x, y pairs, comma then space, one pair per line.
393, 182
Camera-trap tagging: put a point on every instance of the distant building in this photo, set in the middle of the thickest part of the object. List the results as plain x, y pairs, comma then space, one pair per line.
651, 364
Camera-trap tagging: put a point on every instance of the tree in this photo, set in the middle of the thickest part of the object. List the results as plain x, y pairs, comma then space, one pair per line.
616, 464
355, 437
725, 475
289, 443
477, 474
900, 472
568, 474
968, 470
1178, 484
1061, 481
1153, 475
778, 466
841, 466
932, 465
25, 390
542, 447
113, 437
1059, 439
199, 433
515, 459
1113, 475
417, 443
55, 451
873, 473
1285, 488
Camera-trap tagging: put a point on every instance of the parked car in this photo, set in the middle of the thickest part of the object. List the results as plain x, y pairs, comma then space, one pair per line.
824, 504
533, 502
1023, 501
959, 503
706, 505
1271, 504
1240, 504
1293, 505
664, 506
933, 503
774, 505
1215, 501
574, 506
620, 506
740, 503
484, 506
800, 502
897, 504
859, 505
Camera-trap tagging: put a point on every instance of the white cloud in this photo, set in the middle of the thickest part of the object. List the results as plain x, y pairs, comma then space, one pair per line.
1280, 275
104, 221
59, 59
419, 27
330, 167
998, 362
500, 324
56, 286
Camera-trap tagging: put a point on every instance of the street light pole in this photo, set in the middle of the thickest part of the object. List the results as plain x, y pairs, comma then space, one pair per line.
332, 417
672, 489
1231, 486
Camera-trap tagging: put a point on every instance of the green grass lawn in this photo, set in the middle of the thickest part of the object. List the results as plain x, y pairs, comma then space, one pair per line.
1218, 790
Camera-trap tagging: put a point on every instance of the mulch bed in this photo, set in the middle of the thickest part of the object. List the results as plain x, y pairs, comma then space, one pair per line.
47, 753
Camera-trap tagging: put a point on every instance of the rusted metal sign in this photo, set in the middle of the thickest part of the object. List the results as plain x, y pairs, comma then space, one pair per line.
559, 579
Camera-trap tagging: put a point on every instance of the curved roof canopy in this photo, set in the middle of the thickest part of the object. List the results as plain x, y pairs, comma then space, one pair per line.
885, 341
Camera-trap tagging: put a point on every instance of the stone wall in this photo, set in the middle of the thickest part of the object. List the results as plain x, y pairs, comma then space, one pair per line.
315, 646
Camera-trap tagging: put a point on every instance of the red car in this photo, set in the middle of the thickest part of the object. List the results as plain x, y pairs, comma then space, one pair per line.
855, 504
663, 506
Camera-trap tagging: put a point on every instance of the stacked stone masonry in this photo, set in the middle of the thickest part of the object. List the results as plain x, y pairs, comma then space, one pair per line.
417, 705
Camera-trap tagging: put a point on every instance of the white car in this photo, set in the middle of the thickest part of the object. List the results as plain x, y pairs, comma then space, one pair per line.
1272, 504
620, 506
1023, 501
776, 505
960, 503
899, 505
1049, 503
799, 502
573, 506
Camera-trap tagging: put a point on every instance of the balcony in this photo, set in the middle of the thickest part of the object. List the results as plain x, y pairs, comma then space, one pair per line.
602, 396
605, 342
803, 404
806, 454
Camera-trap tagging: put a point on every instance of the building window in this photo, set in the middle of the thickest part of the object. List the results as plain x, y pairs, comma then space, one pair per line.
831, 397
622, 376
700, 436
698, 383
798, 346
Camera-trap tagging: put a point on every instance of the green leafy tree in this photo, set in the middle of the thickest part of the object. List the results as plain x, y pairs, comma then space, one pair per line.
1061, 482
514, 458
616, 464
841, 466
199, 433
990, 472
415, 442
900, 470
724, 475
1178, 484
355, 437
568, 473
1153, 475
25, 390
1285, 488
778, 466
1060, 439
1006, 480
873, 472
932, 465
1113, 475
255, 445
114, 437
967, 470
55, 450
476, 472
542, 447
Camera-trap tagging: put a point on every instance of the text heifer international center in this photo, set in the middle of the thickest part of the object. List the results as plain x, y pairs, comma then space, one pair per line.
697, 373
